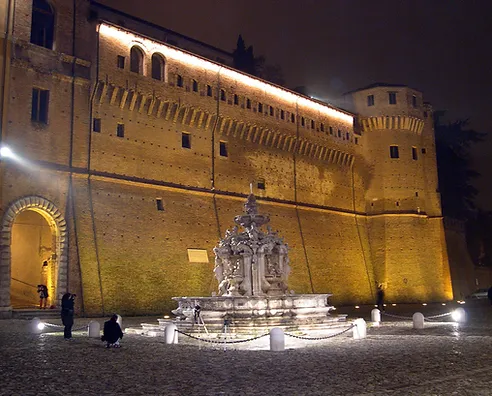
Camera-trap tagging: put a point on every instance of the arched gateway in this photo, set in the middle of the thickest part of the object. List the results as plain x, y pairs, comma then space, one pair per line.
33, 250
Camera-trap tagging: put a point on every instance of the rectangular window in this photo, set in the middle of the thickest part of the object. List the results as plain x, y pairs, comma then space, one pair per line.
370, 100
222, 95
248, 103
356, 140
236, 99
160, 205
292, 118
223, 149
271, 111
331, 130
179, 81
120, 62
261, 184
347, 136
195, 86
39, 105
322, 127
209, 90
392, 97
394, 153
120, 130
414, 154
424, 151
414, 101
313, 124
260, 107
186, 140
339, 133
282, 114
96, 125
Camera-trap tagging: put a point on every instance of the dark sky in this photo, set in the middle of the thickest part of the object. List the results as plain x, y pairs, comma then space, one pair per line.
441, 47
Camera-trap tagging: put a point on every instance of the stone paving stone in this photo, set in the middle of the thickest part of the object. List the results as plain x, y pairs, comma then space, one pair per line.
441, 359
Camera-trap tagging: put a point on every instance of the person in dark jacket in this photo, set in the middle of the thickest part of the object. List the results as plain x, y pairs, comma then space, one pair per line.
380, 297
112, 332
67, 311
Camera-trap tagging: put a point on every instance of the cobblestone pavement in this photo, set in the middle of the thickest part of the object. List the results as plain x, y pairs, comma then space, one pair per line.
441, 359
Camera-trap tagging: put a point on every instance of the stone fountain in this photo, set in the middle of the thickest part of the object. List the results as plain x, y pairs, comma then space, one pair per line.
252, 269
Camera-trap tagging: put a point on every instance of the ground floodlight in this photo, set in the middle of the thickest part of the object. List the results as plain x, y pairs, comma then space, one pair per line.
6, 152
457, 315
40, 325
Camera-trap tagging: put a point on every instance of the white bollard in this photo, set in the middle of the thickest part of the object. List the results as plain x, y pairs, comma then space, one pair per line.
120, 321
36, 326
418, 320
170, 334
360, 330
277, 339
94, 329
375, 316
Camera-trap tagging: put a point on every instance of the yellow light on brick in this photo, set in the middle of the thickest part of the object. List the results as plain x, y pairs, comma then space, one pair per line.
128, 38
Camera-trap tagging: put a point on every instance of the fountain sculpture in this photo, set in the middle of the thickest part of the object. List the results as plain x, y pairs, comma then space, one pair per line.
252, 268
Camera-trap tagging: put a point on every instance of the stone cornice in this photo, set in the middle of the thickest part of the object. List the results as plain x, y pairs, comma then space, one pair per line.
412, 124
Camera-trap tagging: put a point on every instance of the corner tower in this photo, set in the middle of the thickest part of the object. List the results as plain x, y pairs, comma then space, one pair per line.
403, 210
398, 142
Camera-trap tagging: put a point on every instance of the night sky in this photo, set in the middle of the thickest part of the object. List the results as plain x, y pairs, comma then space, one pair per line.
441, 47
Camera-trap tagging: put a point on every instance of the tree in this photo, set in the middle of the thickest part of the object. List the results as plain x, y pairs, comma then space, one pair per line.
453, 142
245, 60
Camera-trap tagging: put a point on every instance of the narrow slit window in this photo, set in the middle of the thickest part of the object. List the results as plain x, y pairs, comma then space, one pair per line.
415, 156
303, 122
322, 127
223, 149
120, 62
39, 105
261, 184
236, 99
282, 115
272, 112
96, 125
331, 130
260, 107
394, 152
120, 130
223, 95
293, 118
248, 103
209, 90
186, 140
179, 80
159, 204
194, 86
313, 124
414, 101
370, 100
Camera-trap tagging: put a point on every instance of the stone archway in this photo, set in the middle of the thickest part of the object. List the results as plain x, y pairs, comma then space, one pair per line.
56, 221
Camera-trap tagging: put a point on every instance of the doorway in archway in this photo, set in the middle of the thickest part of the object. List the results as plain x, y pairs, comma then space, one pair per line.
33, 259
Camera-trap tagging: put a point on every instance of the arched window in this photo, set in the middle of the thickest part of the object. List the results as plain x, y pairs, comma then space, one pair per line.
42, 24
136, 60
157, 67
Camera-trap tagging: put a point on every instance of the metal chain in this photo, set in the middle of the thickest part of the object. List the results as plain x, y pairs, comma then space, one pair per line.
220, 342
428, 318
321, 338
396, 316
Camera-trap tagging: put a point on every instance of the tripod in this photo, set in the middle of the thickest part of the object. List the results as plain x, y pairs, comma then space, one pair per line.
197, 318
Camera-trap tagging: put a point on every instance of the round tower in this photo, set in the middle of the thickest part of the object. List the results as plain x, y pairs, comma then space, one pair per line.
398, 143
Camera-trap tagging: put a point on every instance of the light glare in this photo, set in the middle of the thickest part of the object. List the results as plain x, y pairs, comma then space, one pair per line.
6, 152
40, 326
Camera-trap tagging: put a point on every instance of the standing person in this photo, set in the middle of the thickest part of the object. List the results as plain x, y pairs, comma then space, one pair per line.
43, 296
112, 332
380, 297
67, 312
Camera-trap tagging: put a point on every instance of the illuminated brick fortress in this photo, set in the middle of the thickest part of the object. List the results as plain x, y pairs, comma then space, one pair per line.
132, 148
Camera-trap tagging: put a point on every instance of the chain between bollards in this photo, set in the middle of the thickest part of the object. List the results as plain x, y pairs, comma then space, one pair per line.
221, 342
321, 338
